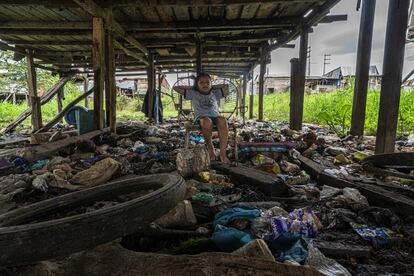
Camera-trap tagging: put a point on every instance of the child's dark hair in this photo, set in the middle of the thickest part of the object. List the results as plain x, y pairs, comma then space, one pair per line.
199, 76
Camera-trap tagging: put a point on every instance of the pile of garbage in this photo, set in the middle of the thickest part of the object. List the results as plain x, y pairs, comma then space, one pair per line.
334, 230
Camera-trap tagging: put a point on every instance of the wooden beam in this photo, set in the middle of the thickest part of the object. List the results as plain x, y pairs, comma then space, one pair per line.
334, 18
49, 42
99, 70
65, 110
199, 56
196, 3
19, 24
110, 87
34, 98
131, 53
313, 19
251, 97
44, 99
362, 67
299, 90
92, 8
263, 58
392, 75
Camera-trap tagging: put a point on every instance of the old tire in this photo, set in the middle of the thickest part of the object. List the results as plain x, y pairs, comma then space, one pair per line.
24, 241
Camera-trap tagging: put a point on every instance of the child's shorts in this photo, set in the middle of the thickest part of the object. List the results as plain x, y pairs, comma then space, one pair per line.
213, 119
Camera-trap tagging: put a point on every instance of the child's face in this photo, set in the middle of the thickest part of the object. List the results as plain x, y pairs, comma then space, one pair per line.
204, 84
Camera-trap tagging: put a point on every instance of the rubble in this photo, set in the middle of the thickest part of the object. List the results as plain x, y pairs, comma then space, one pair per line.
301, 198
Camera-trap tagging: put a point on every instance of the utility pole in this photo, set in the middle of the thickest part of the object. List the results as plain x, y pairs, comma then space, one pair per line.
309, 59
326, 59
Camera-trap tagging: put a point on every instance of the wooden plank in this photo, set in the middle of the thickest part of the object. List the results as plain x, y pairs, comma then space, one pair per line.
392, 75
64, 111
44, 99
337, 250
362, 67
196, 3
49, 149
59, 98
110, 87
34, 98
99, 70
377, 196
261, 82
266, 182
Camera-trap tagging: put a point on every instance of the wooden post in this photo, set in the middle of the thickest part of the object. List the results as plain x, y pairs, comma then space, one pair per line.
298, 84
98, 41
295, 122
151, 86
392, 75
362, 67
110, 87
243, 109
263, 57
86, 89
34, 98
251, 98
59, 97
199, 54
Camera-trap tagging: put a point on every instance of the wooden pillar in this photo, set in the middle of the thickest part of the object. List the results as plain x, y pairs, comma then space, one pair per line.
392, 75
86, 89
251, 98
294, 121
60, 95
362, 67
243, 109
151, 86
34, 98
110, 87
199, 56
98, 41
297, 86
263, 57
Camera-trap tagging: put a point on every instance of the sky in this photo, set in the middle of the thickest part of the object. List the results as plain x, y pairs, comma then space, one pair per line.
340, 40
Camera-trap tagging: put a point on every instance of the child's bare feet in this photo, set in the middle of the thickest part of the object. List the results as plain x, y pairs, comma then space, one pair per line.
224, 159
212, 154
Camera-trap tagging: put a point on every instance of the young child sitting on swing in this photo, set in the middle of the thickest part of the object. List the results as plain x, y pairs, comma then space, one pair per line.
205, 101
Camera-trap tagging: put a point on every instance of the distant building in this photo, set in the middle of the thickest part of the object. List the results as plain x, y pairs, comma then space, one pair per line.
137, 86
338, 78
342, 77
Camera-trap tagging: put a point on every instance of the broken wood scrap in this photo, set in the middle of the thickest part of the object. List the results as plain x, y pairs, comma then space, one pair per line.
57, 118
43, 100
376, 195
112, 259
40, 138
268, 183
47, 150
337, 250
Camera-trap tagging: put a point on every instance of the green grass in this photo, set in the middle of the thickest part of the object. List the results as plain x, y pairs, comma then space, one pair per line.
332, 109
335, 109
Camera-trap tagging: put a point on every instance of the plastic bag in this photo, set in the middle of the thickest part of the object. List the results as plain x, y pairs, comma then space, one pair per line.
324, 265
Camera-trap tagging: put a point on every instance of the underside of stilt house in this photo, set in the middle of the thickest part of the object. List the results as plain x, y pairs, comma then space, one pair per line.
224, 38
